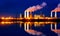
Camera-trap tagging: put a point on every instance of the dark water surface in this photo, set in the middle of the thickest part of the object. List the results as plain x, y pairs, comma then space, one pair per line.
35, 29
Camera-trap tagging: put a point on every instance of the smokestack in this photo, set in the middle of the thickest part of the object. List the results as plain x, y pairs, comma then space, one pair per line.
26, 14
34, 8
57, 9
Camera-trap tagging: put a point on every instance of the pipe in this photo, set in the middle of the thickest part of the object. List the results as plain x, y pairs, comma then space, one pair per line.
55, 14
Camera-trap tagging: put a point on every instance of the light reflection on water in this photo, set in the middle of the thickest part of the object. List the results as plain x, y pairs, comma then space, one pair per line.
28, 26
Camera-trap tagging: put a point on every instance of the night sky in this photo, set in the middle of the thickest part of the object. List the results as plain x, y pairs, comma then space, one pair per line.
15, 7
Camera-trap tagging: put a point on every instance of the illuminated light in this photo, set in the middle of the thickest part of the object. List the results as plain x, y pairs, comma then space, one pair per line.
39, 17
21, 22
32, 9
2, 18
27, 25
6, 22
20, 18
55, 14
49, 18
20, 15
36, 24
6, 18
51, 27
55, 26
35, 17
2, 22
10, 17
41, 22
30, 23
27, 14
47, 22
28, 18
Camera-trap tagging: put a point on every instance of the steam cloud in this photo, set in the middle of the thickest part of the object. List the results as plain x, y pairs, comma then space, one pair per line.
57, 9
35, 8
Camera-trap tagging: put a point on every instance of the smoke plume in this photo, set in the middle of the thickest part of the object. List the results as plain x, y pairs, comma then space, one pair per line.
57, 9
35, 8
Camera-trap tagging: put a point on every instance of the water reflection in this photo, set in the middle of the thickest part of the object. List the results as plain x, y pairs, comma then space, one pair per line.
30, 27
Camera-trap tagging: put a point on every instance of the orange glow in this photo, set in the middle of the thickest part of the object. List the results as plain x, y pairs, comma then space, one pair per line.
2, 18
35, 16
39, 17
6, 22
27, 18
30, 23
20, 22
38, 23
2, 22
9, 18
5, 18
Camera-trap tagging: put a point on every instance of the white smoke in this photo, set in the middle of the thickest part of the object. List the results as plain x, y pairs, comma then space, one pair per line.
57, 9
35, 8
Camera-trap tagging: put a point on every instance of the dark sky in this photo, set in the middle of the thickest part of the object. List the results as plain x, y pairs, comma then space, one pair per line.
13, 7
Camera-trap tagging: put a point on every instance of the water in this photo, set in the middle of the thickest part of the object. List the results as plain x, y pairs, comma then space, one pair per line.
20, 28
